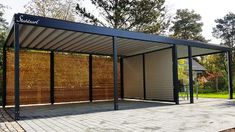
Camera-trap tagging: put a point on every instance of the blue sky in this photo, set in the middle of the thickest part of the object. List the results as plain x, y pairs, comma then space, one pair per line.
208, 9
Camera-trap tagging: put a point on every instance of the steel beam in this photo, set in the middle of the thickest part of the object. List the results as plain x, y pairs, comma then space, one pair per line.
230, 79
90, 78
121, 77
4, 79
17, 71
144, 81
190, 73
115, 73
52, 76
175, 74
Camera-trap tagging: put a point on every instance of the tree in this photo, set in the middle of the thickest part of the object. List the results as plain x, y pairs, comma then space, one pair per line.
3, 29
60, 9
225, 30
216, 69
148, 16
187, 25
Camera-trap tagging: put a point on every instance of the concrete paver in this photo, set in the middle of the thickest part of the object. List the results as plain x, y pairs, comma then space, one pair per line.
7, 124
204, 115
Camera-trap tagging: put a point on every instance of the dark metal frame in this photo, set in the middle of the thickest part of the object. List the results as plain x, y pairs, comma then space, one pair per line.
203, 54
144, 80
148, 52
115, 73
79, 27
190, 73
52, 80
90, 78
175, 74
17, 71
121, 78
114, 33
230, 82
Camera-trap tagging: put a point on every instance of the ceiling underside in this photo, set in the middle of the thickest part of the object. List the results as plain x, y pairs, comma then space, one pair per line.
42, 38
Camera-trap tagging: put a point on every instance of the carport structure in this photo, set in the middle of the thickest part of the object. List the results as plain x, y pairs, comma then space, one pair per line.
148, 63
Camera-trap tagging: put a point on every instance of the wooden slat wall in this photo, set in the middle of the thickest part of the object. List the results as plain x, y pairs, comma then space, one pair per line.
103, 78
34, 77
71, 77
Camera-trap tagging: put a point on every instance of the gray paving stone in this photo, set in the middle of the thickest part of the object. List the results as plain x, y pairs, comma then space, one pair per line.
140, 116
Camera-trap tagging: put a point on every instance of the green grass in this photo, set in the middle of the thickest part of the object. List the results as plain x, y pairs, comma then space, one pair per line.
215, 95
212, 95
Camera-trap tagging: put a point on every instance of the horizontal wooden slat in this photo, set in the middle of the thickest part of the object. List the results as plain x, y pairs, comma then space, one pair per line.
34, 77
71, 77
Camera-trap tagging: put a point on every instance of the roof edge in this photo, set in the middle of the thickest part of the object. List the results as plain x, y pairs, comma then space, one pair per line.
92, 29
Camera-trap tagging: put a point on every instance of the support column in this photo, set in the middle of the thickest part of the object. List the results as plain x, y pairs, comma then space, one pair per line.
90, 78
230, 79
52, 78
175, 74
17, 71
115, 73
190, 73
121, 78
4, 79
144, 84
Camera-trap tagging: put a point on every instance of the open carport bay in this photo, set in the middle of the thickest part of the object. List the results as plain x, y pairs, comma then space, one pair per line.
53, 61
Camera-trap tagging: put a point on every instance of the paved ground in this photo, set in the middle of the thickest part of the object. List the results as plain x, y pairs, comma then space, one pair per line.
205, 115
7, 124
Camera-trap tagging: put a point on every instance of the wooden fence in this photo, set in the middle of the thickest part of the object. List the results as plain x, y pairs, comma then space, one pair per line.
71, 77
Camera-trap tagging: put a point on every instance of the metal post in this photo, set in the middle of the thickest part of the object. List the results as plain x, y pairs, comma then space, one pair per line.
197, 85
175, 74
90, 78
230, 79
121, 78
4, 92
52, 74
115, 73
190, 71
144, 81
17, 71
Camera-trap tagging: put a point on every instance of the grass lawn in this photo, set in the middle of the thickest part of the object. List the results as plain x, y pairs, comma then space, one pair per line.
215, 95
210, 95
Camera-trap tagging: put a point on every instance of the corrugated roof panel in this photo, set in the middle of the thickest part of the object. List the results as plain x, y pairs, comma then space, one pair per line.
71, 38
73, 41
106, 47
98, 45
44, 35
25, 32
50, 38
58, 40
80, 42
91, 43
33, 35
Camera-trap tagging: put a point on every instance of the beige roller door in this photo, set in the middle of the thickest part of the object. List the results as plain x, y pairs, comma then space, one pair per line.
159, 75
133, 77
